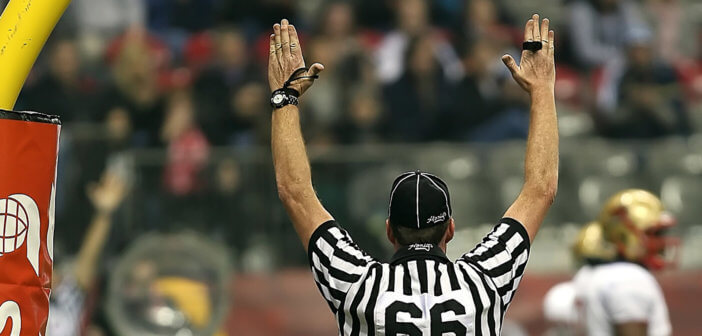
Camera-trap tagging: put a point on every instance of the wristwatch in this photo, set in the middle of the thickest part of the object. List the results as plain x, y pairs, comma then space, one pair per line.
284, 96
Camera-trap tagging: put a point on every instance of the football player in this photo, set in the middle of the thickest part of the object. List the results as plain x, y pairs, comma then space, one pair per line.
614, 292
563, 309
622, 297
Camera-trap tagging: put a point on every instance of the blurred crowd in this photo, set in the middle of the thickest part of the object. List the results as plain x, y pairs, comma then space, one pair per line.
188, 76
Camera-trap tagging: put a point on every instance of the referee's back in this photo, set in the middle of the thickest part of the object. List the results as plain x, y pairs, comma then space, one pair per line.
420, 291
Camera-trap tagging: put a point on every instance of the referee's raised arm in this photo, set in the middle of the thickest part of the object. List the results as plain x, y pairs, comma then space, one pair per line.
289, 79
536, 74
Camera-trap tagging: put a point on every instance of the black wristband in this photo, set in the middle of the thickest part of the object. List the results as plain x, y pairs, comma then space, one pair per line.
288, 91
284, 96
532, 45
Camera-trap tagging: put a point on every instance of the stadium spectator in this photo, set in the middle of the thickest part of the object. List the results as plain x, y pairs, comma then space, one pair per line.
229, 191
336, 43
135, 89
175, 21
362, 122
72, 282
248, 122
190, 16
64, 89
667, 19
187, 154
485, 105
650, 98
600, 28
482, 20
215, 87
98, 21
188, 149
413, 19
415, 101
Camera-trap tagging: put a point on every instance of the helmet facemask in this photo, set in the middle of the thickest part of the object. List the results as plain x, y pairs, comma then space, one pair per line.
651, 246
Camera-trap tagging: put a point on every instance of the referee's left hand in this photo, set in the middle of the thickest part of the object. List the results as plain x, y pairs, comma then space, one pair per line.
536, 69
286, 57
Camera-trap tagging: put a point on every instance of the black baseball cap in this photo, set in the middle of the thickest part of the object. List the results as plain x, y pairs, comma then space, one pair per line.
419, 200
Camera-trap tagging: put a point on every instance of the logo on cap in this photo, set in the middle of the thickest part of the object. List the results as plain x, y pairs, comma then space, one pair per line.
419, 200
437, 219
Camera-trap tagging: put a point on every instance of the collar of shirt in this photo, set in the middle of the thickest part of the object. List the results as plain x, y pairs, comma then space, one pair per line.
418, 251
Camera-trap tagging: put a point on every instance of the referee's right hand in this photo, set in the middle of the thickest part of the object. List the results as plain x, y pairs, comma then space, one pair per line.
536, 69
286, 57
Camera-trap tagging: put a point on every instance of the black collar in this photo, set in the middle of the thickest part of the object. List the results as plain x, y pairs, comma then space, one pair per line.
418, 251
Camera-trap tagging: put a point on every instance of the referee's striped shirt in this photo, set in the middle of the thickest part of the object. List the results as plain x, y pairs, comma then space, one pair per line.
420, 292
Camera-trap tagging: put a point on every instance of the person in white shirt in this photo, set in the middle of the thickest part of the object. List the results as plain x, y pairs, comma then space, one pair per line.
622, 297
614, 292
563, 303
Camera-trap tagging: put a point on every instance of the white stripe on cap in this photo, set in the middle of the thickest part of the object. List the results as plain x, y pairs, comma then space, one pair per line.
418, 176
392, 193
429, 177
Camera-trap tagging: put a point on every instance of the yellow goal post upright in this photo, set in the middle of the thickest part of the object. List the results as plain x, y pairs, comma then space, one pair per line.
28, 159
24, 27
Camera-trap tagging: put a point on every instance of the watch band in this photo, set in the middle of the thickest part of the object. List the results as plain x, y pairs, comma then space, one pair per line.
284, 96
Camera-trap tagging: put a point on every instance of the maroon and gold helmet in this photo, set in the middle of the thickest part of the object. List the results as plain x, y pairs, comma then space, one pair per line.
634, 221
590, 245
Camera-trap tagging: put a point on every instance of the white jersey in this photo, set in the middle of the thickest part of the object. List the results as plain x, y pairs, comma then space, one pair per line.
622, 292
559, 304
563, 307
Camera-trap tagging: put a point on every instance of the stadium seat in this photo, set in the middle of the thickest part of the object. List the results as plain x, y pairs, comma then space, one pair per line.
668, 157
455, 162
600, 157
505, 160
368, 191
594, 191
474, 202
682, 195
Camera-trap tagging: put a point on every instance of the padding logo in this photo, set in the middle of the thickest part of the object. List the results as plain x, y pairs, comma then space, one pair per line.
19, 223
10, 311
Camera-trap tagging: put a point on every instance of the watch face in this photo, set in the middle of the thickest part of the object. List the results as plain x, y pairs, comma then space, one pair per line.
277, 99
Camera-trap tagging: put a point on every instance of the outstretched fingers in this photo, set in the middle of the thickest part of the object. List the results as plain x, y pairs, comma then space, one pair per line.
511, 64
315, 69
295, 48
271, 49
529, 30
544, 31
551, 42
285, 37
278, 42
536, 30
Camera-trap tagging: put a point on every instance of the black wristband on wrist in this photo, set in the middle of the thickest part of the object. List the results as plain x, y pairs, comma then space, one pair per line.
284, 96
288, 96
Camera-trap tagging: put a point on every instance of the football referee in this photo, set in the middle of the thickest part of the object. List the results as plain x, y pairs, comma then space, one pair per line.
420, 291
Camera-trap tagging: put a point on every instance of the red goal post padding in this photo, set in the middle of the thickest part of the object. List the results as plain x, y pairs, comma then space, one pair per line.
28, 157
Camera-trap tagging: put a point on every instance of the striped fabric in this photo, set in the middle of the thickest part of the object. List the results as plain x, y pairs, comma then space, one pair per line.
419, 292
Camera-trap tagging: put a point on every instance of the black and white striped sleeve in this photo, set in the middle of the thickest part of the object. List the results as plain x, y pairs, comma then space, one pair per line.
336, 262
502, 257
